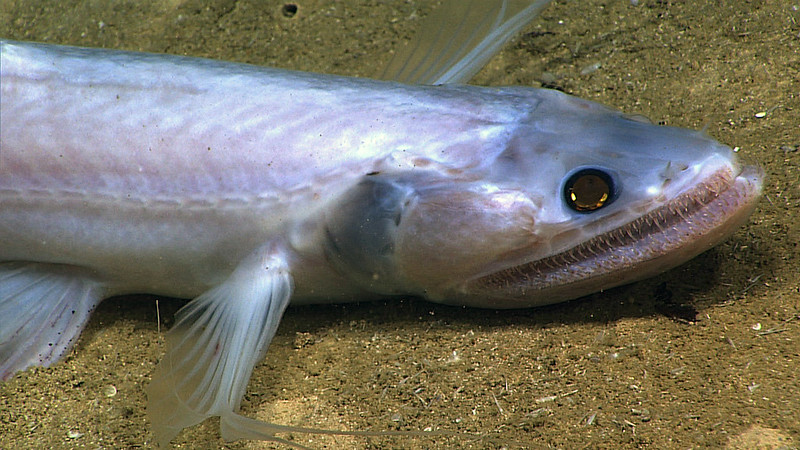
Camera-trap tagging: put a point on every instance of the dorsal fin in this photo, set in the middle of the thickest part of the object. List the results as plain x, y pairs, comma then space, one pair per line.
457, 39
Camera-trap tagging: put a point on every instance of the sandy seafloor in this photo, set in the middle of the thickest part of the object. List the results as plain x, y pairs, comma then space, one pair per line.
705, 355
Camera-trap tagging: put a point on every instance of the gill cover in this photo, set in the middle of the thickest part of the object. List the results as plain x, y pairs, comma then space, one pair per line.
423, 233
361, 234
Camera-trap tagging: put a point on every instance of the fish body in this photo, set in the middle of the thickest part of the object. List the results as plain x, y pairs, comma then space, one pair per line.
197, 162
247, 187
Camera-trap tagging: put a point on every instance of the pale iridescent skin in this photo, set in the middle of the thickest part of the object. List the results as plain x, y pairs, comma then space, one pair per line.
249, 187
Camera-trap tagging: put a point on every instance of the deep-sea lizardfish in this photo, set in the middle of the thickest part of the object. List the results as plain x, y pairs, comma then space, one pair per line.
246, 188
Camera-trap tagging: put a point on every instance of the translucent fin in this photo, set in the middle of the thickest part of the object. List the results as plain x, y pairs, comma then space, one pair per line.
43, 308
458, 38
216, 341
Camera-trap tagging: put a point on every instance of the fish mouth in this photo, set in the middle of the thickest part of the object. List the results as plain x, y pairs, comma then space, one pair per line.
671, 234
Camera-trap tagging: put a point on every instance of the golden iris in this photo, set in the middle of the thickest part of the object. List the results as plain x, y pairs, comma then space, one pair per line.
588, 190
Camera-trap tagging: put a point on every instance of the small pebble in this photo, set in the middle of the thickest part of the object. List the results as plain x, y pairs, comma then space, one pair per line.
109, 391
547, 78
74, 434
591, 68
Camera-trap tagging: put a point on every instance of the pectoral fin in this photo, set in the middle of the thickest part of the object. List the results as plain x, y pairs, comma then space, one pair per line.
214, 345
43, 308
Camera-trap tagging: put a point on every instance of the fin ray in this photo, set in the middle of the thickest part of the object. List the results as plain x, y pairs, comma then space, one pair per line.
43, 308
216, 342
457, 39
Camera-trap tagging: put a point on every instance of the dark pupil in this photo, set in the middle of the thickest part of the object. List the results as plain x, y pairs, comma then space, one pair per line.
588, 192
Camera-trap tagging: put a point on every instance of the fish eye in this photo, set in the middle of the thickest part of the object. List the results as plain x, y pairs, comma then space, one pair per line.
588, 190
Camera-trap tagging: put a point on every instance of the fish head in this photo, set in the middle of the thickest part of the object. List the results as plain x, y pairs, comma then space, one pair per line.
581, 199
